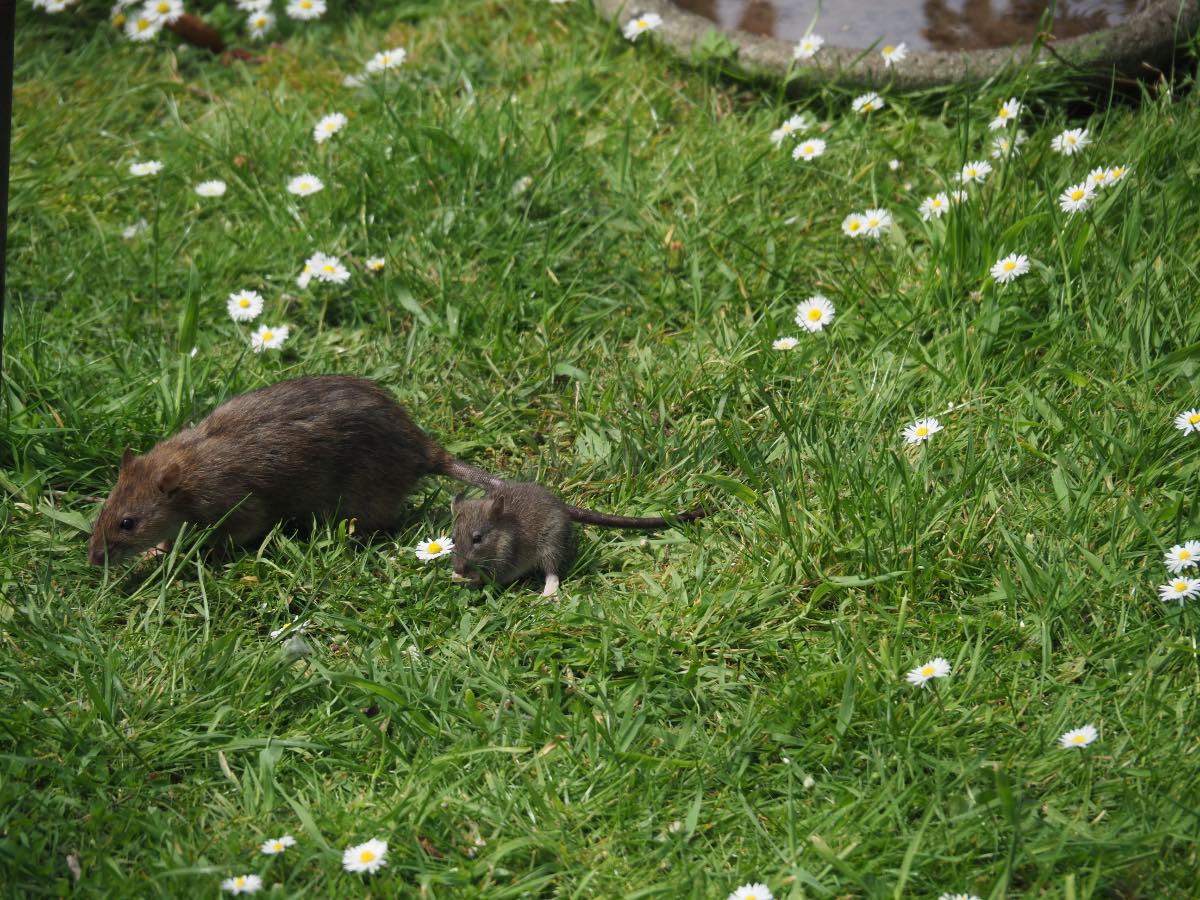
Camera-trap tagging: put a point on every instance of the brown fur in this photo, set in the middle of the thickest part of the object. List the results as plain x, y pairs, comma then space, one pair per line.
521, 527
331, 447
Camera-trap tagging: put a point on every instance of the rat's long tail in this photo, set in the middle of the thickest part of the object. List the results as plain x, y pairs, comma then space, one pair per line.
456, 468
591, 517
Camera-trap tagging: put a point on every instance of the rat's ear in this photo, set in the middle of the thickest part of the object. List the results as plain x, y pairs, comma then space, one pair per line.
168, 481
497, 509
458, 498
126, 458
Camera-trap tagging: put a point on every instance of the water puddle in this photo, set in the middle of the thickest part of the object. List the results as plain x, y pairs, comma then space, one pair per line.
922, 24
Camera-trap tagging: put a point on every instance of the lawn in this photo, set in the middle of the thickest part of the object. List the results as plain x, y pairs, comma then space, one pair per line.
589, 251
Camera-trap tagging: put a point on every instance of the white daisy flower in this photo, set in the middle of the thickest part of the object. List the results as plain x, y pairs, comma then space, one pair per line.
894, 165
142, 27
268, 338
129, 232
369, 857
142, 169
260, 23
1097, 178
639, 24
1010, 267
958, 897
876, 222
117, 14
935, 668
865, 103
1116, 173
808, 46
1004, 146
278, 845
250, 6
959, 195
796, 123
303, 185
305, 9
752, 892
166, 11
375, 263
385, 60
975, 171
785, 343
427, 550
1182, 556
328, 126
211, 189
808, 149
934, 207
1071, 141
1076, 198
1179, 588
1008, 112
1188, 421
1078, 737
521, 185
242, 884
244, 306
893, 54
853, 224
815, 313
921, 430
289, 628
329, 269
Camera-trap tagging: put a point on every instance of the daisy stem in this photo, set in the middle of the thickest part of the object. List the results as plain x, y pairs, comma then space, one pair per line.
154, 238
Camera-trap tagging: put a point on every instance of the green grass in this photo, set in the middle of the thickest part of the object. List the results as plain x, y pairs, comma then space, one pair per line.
607, 332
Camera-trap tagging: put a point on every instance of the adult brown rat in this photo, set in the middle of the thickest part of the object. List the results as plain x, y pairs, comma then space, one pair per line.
520, 527
329, 446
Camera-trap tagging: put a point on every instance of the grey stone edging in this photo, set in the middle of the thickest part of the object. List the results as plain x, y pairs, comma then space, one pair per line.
1147, 36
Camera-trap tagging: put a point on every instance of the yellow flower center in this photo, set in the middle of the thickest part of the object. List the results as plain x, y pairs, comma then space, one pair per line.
921, 432
143, 24
927, 671
306, 4
268, 336
331, 126
814, 314
854, 226
1071, 139
1116, 173
434, 547
1077, 194
366, 856
328, 267
260, 21
807, 148
1009, 265
1079, 739
164, 7
1185, 554
244, 303
872, 223
1181, 586
889, 50
868, 106
119, 19
240, 881
277, 845
936, 204
1194, 418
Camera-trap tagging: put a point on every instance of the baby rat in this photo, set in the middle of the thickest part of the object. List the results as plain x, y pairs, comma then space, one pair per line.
520, 527
329, 446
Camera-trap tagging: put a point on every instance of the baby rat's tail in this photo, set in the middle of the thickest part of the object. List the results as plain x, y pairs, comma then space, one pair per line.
456, 468
591, 517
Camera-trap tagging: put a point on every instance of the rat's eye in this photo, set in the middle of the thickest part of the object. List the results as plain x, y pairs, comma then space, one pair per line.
476, 538
127, 524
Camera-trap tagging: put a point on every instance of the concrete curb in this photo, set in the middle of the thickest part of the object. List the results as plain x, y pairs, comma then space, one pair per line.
1149, 36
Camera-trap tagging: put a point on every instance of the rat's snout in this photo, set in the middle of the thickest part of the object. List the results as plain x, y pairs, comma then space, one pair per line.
459, 565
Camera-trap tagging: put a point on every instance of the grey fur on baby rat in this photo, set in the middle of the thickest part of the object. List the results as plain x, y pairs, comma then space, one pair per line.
520, 527
330, 447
